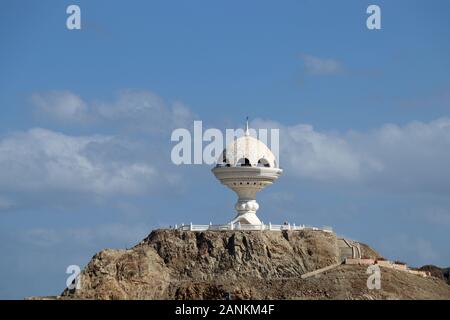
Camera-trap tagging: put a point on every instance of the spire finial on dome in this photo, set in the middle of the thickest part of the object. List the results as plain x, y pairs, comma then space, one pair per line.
247, 132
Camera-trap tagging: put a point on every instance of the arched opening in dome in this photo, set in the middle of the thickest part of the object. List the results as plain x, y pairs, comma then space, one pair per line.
224, 160
263, 163
244, 162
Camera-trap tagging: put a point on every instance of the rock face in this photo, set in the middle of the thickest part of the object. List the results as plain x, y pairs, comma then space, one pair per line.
440, 273
172, 264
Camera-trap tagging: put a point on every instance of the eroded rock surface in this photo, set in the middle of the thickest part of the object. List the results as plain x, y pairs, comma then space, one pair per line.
171, 264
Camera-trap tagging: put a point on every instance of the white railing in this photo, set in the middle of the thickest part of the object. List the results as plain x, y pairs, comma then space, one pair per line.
248, 227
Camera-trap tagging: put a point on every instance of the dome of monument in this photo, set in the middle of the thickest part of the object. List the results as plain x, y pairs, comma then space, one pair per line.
247, 151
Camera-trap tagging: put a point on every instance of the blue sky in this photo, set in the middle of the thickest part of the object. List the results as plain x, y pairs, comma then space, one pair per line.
86, 117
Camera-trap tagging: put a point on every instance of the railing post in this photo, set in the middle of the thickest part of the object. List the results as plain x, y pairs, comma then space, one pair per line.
190, 226
294, 225
176, 226
270, 225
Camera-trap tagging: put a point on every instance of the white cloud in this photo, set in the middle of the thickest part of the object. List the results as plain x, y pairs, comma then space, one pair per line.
320, 66
413, 157
61, 106
132, 109
319, 155
42, 160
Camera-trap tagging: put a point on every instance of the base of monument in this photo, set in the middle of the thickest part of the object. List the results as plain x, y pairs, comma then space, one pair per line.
247, 218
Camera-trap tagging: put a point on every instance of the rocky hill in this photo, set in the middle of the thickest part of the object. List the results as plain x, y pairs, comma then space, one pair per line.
440, 273
172, 264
